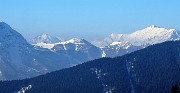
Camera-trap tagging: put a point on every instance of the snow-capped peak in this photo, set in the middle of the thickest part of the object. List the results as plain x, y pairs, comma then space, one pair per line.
74, 41
152, 35
145, 37
45, 38
152, 31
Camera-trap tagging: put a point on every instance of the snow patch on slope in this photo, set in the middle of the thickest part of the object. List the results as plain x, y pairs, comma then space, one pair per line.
103, 54
73, 41
24, 89
124, 45
77, 42
44, 45
1, 74
99, 75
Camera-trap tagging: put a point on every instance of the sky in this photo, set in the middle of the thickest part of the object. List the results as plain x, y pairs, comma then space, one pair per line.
88, 19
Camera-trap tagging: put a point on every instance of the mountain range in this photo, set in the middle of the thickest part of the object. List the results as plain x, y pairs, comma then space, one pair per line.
151, 70
145, 37
120, 44
20, 59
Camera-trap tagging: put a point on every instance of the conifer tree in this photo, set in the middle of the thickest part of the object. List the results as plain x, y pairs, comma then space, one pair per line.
175, 89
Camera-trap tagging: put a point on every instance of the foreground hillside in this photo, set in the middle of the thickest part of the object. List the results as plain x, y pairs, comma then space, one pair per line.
151, 70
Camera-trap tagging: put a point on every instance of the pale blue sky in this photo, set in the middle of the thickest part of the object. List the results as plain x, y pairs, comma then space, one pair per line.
88, 19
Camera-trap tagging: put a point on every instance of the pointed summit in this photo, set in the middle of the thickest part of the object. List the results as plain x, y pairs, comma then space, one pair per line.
45, 38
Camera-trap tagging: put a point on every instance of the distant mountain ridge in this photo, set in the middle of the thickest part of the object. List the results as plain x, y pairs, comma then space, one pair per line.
113, 45
145, 37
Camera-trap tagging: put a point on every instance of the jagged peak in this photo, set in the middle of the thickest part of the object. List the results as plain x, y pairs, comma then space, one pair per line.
45, 38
